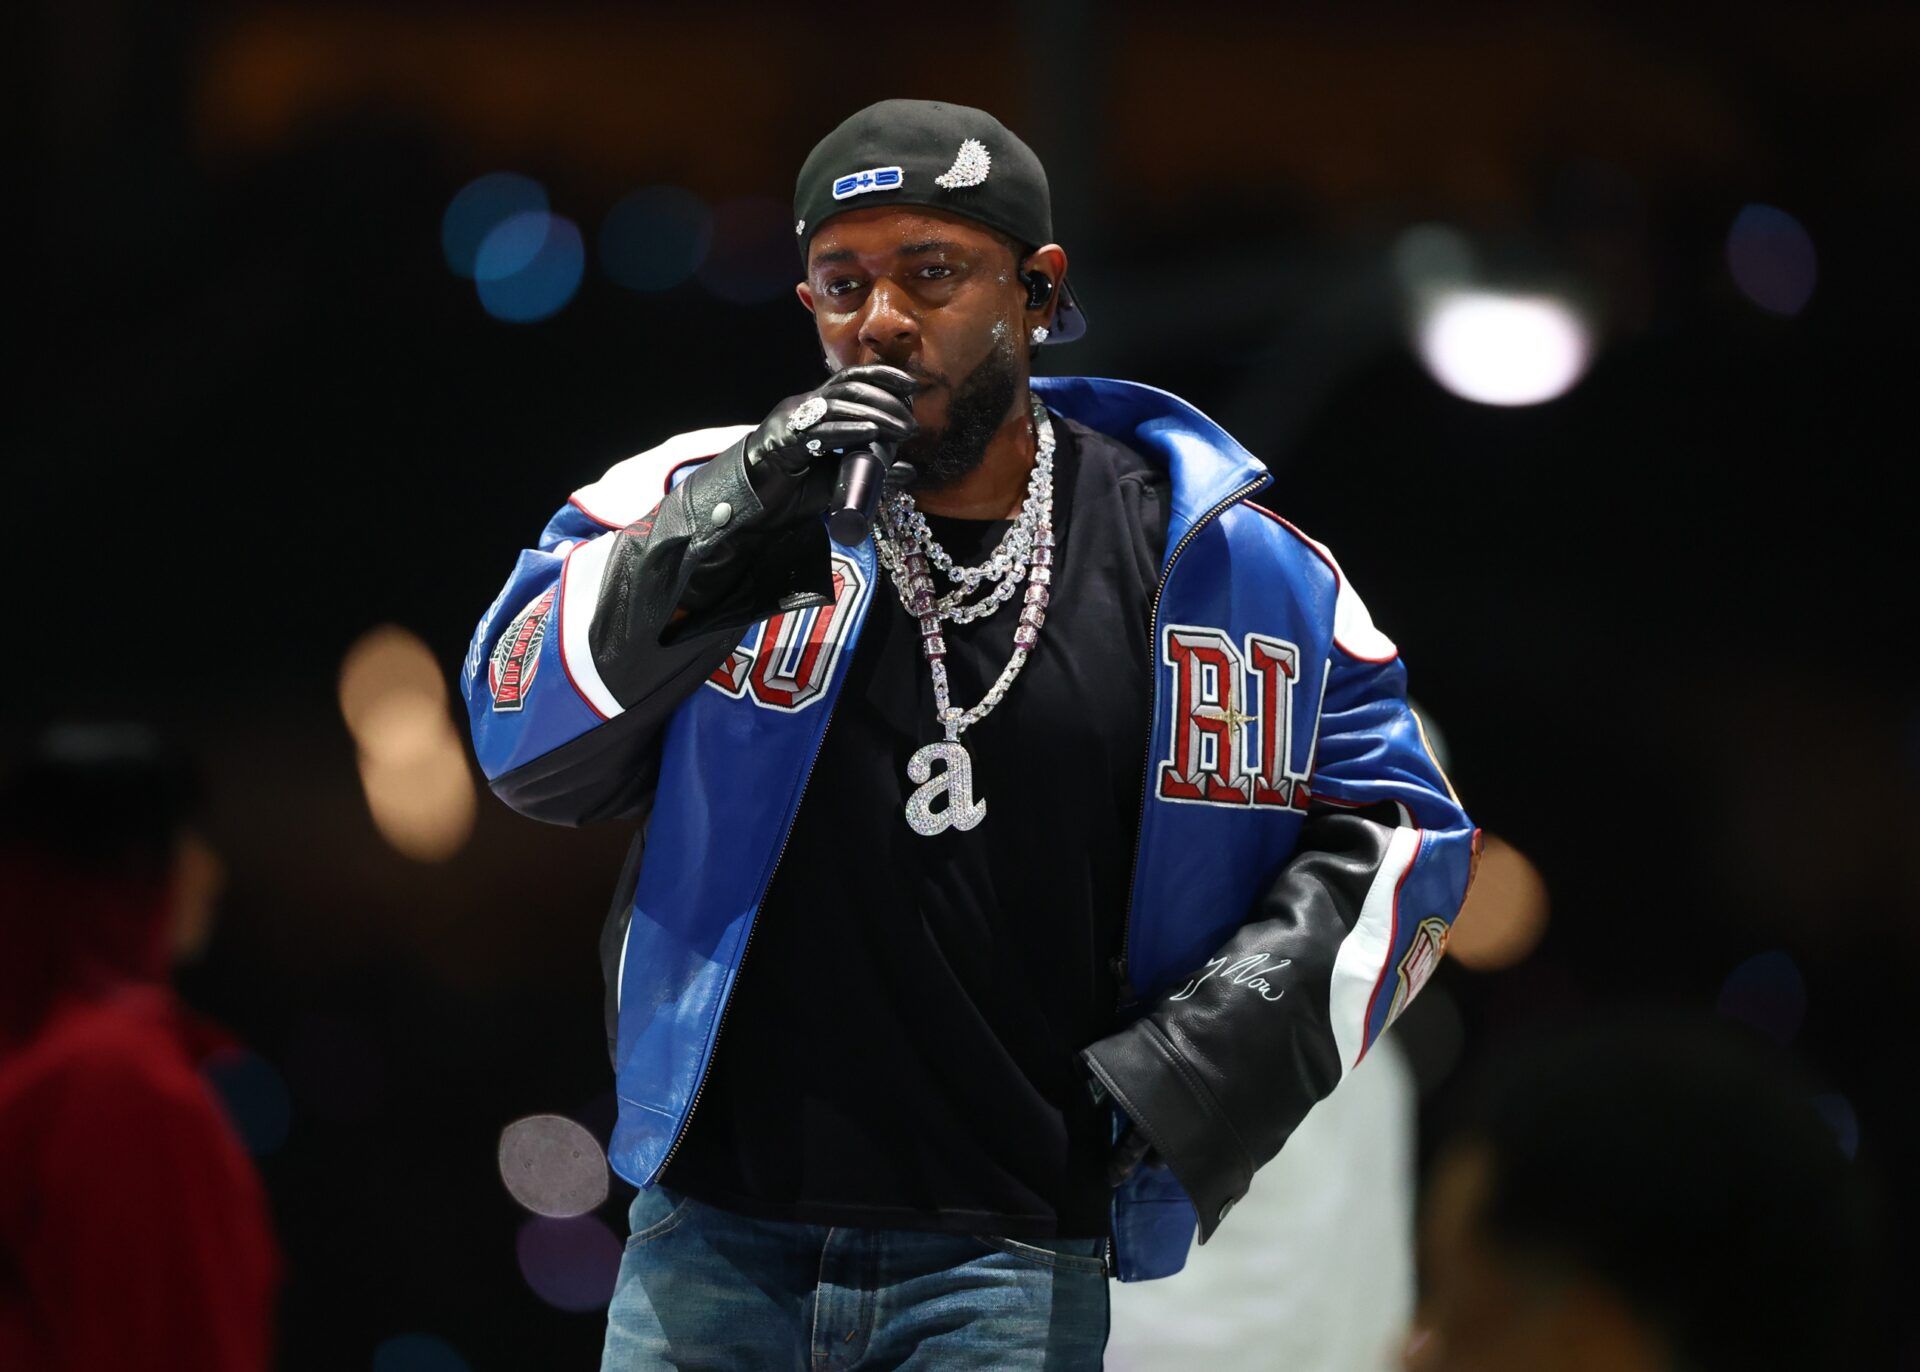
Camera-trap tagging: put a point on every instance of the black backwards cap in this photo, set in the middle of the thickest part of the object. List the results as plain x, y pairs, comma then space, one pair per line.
946, 157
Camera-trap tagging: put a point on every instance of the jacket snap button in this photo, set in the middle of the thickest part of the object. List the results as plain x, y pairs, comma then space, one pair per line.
722, 512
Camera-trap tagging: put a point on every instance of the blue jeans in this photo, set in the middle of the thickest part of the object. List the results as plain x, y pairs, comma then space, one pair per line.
702, 1287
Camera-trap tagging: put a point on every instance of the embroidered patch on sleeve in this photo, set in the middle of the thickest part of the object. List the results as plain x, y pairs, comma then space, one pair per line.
516, 657
1429, 945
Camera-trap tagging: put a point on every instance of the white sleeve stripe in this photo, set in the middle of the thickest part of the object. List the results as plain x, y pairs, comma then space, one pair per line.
633, 487
1362, 960
580, 578
1353, 631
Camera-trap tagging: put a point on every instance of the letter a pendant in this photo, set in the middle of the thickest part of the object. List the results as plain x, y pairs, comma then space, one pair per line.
956, 783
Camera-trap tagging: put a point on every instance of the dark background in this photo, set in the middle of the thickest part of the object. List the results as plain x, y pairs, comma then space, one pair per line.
1662, 620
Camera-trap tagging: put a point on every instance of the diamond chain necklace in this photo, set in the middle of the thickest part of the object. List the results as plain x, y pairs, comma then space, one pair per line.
906, 531
906, 547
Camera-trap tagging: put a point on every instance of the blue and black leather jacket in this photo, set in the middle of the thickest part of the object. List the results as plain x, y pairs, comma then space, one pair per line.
1300, 857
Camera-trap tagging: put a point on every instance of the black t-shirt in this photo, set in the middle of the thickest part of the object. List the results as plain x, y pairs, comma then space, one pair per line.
900, 1051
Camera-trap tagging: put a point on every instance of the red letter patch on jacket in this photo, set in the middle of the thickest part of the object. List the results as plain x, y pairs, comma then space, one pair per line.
1232, 727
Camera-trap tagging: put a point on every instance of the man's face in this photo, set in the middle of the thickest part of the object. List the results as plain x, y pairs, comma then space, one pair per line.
1481, 1310
940, 298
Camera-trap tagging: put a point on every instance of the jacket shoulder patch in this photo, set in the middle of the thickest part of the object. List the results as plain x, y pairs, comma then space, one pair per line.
516, 657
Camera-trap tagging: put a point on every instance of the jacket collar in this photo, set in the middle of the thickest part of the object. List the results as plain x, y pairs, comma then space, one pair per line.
1205, 463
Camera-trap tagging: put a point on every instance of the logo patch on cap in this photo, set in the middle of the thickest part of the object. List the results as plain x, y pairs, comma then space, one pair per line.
872, 179
970, 166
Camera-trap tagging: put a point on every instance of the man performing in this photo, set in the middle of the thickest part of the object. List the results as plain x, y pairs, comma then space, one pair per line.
1008, 884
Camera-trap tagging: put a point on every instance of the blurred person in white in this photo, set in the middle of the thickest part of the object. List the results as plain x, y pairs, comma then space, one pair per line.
1317, 1275
1653, 1195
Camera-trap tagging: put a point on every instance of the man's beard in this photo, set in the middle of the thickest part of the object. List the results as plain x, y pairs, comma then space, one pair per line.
975, 413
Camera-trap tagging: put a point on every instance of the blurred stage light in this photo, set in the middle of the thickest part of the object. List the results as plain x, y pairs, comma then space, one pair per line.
254, 1096
413, 766
1770, 254
752, 258
481, 206
655, 238
424, 805
1505, 915
571, 1264
553, 1166
1497, 348
383, 665
1767, 994
1839, 1114
511, 245
529, 266
418, 1353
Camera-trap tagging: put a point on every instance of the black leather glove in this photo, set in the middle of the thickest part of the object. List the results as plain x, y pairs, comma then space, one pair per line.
736, 540
854, 408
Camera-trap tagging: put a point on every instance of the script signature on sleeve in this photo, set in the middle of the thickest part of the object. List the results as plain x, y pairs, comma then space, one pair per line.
1249, 971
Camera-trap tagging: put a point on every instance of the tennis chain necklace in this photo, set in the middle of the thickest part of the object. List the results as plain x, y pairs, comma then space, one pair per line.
909, 552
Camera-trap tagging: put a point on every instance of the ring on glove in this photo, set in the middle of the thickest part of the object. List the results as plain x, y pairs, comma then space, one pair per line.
807, 413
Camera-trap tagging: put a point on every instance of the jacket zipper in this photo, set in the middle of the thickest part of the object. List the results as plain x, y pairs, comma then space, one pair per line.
1146, 770
1119, 965
700, 1088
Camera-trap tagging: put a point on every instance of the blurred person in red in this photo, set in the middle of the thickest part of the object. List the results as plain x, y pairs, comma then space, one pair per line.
134, 1231
1642, 1196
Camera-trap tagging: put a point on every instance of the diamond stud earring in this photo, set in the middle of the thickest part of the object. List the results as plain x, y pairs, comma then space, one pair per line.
1039, 333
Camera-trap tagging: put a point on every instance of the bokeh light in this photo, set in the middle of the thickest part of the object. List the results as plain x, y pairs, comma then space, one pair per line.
655, 238
511, 245
529, 266
1505, 915
1770, 254
388, 669
413, 766
418, 1353
553, 1166
1496, 348
1839, 1114
255, 1098
570, 1264
752, 258
1767, 994
478, 208
423, 805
